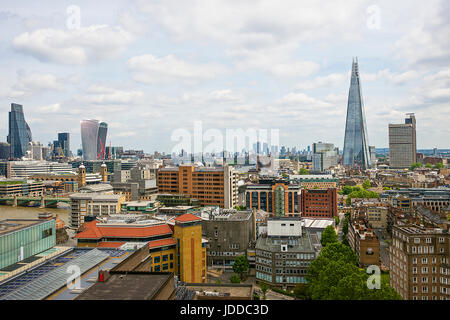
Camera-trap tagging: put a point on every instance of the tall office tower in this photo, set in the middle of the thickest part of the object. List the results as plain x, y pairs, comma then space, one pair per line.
19, 135
373, 156
101, 143
402, 143
325, 155
356, 145
89, 138
64, 143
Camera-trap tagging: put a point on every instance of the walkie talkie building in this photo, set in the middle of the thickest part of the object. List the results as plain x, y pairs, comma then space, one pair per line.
356, 145
89, 138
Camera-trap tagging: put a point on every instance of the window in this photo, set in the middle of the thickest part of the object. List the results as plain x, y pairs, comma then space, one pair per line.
157, 269
165, 257
165, 266
158, 259
47, 233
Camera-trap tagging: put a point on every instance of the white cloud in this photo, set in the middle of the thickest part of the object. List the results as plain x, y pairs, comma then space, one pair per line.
99, 94
151, 69
333, 79
50, 108
77, 46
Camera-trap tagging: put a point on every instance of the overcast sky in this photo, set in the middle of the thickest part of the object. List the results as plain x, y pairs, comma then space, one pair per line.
148, 68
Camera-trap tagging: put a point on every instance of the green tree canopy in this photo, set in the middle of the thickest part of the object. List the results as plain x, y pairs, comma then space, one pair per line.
303, 171
366, 184
328, 236
415, 165
365, 194
429, 166
235, 278
439, 165
240, 265
335, 275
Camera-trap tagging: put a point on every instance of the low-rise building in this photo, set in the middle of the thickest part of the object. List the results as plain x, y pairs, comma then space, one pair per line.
284, 254
230, 233
11, 188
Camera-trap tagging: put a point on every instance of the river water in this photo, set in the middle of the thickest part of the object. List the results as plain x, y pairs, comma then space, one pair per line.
9, 212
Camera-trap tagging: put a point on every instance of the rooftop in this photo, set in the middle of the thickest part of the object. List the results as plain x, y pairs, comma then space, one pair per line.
11, 225
128, 286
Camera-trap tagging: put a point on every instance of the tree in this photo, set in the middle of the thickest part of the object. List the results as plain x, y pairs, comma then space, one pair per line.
264, 288
347, 190
429, 166
439, 165
386, 188
337, 220
366, 184
328, 236
235, 278
415, 165
301, 290
303, 171
240, 266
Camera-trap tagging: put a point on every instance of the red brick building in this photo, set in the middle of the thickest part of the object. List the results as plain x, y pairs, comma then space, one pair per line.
319, 203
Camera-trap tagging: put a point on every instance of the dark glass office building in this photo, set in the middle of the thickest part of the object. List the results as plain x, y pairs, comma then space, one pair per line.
356, 145
19, 135
101, 143
64, 143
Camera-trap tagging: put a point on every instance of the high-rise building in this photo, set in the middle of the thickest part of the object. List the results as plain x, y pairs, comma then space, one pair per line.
4, 150
101, 143
402, 143
356, 145
325, 155
64, 143
89, 138
19, 135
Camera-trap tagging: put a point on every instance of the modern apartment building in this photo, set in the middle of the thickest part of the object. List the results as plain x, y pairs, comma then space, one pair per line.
419, 263
212, 186
89, 204
402, 143
284, 254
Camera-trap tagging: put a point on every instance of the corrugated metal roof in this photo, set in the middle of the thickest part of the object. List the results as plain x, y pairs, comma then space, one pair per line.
52, 281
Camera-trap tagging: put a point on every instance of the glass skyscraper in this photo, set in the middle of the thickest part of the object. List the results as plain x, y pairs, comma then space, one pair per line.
93, 139
356, 145
101, 143
19, 135
89, 138
64, 143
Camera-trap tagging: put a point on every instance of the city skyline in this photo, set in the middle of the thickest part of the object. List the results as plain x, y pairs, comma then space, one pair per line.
148, 77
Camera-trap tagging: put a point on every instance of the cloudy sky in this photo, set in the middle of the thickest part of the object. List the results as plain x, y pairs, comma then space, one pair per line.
149, 67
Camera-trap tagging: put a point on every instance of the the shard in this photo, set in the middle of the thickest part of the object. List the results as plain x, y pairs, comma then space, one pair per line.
356, 145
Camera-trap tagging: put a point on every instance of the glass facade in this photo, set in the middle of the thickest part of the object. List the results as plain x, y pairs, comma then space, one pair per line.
23, 243
356, 146
64, 142
19, 135
89, 138
101, 143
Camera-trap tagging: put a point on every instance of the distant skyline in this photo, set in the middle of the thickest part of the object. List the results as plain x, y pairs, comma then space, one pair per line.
148, 68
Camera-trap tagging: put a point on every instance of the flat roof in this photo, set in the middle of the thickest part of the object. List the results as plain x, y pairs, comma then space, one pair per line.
127, 286
11, 225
